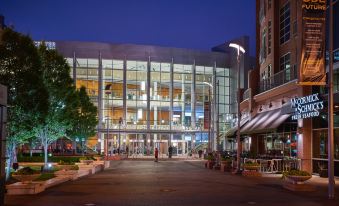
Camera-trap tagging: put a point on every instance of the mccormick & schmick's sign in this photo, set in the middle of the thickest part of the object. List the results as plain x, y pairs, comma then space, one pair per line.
306, 107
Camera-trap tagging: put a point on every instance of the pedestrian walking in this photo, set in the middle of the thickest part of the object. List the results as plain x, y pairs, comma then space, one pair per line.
127, 151
156, 152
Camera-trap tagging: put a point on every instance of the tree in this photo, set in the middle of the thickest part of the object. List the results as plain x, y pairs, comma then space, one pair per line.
49, 132
62, 98
20, 70
84, 122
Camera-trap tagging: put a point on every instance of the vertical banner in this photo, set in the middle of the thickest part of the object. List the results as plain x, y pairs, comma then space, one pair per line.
312, 65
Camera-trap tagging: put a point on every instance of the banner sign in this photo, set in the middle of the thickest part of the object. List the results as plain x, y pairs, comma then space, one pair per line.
306, 107
312, 66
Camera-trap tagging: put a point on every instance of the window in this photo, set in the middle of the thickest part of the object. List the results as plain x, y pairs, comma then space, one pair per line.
285, 23
263, 53
269, 70
285, 65
262, 11
269, 37
295, 28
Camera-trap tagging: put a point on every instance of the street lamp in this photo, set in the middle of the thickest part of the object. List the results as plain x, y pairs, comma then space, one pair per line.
210, 95
240, 50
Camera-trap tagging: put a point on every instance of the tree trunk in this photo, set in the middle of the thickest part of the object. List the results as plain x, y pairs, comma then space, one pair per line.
74, 146
11, 154
46, 153
30, 149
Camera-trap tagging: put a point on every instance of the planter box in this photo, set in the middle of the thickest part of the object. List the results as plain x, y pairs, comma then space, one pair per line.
255, 168
20, 188
56, 181
298, 187
251, 173
226, 167
210, 164
66, 167
73, 174
297, 179
26, 178
87, 162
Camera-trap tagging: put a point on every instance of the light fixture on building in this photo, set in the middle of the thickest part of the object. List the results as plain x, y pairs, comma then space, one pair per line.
260, 109
270, 105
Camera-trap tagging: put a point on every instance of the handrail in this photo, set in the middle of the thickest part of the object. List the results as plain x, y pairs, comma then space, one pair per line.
278, 79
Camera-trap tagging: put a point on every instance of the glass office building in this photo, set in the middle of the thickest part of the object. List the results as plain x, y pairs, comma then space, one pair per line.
154, 97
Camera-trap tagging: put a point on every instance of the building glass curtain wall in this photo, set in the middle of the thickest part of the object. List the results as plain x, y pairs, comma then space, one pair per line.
165, 98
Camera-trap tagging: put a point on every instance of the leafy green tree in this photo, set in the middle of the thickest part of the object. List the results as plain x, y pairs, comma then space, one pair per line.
62, 98
20, 71
84, 122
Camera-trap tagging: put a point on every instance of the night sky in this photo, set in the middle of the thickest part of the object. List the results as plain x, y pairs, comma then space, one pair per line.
198, 24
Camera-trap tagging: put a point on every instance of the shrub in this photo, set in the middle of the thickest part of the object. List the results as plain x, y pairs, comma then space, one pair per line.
74, 167
45, 176
61, 162
251, 164
86, 158
50, 159
295, 173
26, 171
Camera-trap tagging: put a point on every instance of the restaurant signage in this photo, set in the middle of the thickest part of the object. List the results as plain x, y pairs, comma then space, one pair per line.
312, 65
306, 107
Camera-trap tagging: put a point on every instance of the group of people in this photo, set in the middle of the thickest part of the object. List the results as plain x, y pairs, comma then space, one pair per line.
156, 153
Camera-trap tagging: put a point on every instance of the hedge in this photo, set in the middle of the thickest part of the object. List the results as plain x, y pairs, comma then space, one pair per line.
50, 159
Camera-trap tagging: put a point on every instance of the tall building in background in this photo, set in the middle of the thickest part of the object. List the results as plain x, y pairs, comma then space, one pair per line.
270, 124
154, 97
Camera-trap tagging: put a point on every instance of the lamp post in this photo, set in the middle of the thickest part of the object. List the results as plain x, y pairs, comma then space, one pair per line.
210, 128
240, 50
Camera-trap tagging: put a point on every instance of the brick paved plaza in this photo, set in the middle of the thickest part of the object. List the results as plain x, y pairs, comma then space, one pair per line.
171, 183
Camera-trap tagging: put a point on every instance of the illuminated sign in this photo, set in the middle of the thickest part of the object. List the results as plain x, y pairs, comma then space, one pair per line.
49, 44
306, 107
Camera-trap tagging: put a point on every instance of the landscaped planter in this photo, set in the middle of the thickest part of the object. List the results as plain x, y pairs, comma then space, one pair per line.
66, 167
26, 178
87, 162
298, 179
226, 166
251, 167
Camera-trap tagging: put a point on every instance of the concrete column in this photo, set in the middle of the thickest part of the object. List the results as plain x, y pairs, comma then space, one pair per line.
171, 103
193, 104
124, 91
304, 146
100, 105
148, 112
183, 99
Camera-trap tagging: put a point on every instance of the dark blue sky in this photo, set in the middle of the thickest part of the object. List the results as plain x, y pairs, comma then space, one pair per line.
198, 24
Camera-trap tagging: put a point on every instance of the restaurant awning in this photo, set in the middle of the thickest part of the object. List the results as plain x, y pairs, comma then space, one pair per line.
264, 122
233, 130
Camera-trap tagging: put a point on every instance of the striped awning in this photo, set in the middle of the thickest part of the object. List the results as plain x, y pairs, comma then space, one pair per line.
264, 122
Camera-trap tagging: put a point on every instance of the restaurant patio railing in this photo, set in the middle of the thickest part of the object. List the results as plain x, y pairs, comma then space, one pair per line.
278, 79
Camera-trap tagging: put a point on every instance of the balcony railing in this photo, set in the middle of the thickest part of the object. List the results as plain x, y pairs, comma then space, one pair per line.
278, 79
246, 94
